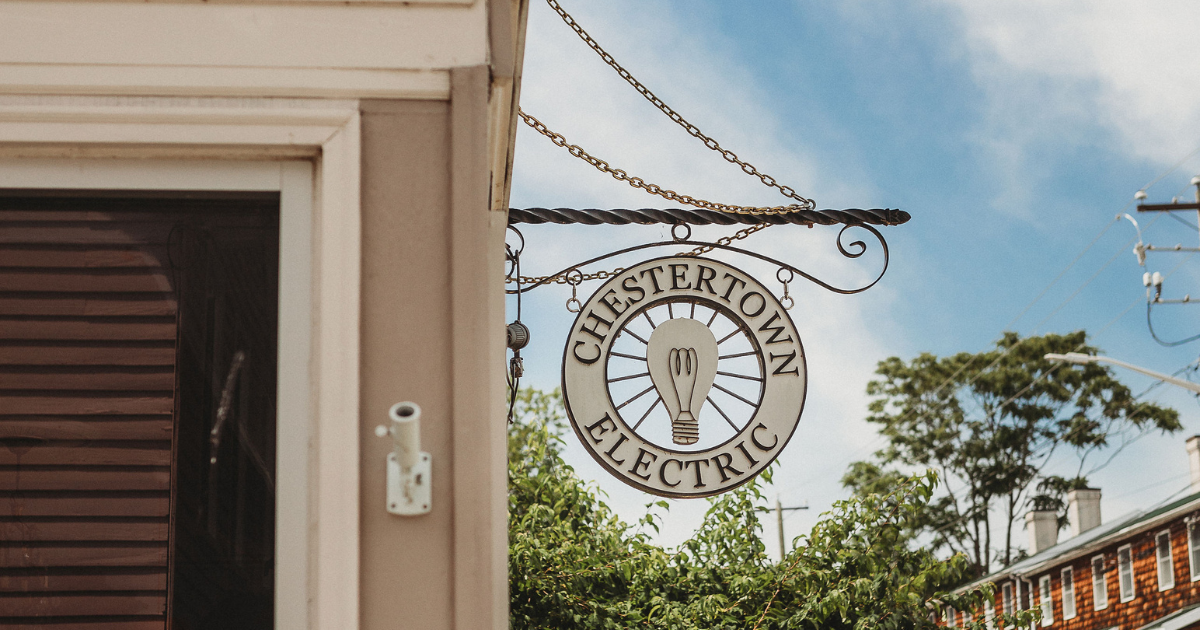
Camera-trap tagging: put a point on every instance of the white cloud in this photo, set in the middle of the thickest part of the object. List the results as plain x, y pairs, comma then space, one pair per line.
1054, 69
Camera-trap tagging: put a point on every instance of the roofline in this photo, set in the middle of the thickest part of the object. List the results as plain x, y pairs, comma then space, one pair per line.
1136, 527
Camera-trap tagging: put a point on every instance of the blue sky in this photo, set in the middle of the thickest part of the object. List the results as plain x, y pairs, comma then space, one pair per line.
1014, 134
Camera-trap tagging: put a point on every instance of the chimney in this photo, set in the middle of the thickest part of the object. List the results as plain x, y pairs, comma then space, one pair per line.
1042, 527
1083, 509
1193, 449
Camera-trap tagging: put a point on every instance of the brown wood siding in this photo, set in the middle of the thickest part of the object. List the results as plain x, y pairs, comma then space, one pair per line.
87, 380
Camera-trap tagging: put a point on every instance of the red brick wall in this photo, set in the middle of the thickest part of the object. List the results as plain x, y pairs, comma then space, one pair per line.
1148, 603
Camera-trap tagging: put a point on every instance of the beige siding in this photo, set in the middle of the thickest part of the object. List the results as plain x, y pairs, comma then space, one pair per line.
432, 324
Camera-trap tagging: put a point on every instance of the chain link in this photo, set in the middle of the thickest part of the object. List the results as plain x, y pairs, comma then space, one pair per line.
562, 277
604, 275
654, 189
730, 156
725, 240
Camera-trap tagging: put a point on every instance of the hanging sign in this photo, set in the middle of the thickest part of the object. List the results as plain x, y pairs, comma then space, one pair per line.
684, 376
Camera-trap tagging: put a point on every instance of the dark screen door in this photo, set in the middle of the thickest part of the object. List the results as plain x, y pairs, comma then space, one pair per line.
137, 410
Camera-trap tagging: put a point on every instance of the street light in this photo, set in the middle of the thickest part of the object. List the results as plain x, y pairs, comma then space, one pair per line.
1080, 358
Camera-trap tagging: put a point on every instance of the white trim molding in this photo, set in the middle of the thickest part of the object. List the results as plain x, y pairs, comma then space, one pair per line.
295, 48
128, 79
309, 151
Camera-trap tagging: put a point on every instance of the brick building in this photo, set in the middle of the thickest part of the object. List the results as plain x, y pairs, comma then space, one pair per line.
1137, 572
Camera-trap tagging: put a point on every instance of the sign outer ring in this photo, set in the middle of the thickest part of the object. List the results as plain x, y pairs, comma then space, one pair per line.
649, 466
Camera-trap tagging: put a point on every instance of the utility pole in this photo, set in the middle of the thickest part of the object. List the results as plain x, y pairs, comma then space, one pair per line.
1154, 280
779, 517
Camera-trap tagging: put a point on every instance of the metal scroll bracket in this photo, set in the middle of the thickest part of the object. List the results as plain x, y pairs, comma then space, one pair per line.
855, 249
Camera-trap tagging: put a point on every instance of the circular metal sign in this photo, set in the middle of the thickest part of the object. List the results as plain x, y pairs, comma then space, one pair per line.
684, 376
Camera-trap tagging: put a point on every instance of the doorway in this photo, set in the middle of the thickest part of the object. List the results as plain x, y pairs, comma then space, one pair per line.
138, 344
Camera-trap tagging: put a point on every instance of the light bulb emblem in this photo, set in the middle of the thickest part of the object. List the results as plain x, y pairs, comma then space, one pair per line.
682, 357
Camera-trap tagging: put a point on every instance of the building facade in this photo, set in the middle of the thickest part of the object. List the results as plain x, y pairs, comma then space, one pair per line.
1140, 571
232, 235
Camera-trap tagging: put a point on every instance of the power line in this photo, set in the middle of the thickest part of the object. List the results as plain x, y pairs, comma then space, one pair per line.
1183, 221
1181, 162
1064, 271
1055, 311
1102, 329
1025, 310
1149, 305
870, 445
880, 437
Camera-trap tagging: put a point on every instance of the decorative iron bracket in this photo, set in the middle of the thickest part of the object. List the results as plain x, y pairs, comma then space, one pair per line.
857, 249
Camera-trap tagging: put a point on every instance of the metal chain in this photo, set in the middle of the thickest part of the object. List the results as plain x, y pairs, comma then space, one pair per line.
562, 277
653, 189
730, 156
786, 301
725, 240
604, 275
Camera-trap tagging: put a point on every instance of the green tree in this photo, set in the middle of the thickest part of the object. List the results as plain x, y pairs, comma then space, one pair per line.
574, 564
990, 423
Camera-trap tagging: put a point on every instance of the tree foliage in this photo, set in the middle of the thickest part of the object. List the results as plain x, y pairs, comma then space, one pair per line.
991, 424
574, 564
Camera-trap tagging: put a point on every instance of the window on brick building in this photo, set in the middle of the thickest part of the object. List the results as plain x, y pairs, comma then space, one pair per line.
1068, 593
1125, 571
1046, 600
1194, 549
1166, 567
989, 615
1025, 597
1006, 598
950, 617
1099, 584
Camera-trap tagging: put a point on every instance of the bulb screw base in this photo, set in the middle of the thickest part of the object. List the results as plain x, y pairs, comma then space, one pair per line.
685, 430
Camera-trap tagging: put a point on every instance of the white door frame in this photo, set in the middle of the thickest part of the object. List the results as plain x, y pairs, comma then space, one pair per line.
308, 151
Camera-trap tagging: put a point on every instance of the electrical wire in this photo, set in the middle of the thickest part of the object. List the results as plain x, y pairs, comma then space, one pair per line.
1183, 221
1042, 294
1149, 304
1061, 305
1054, 312
1077, 348
1172, 169
1167, 344
1062, 273
879, 438
1029, 306
1191, 365
1071, 297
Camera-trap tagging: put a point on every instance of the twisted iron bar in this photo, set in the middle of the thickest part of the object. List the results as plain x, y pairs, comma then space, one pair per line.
859, 245
648, 216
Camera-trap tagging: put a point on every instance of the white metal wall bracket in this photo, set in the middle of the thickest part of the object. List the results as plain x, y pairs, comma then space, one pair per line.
409, 470
409, 494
